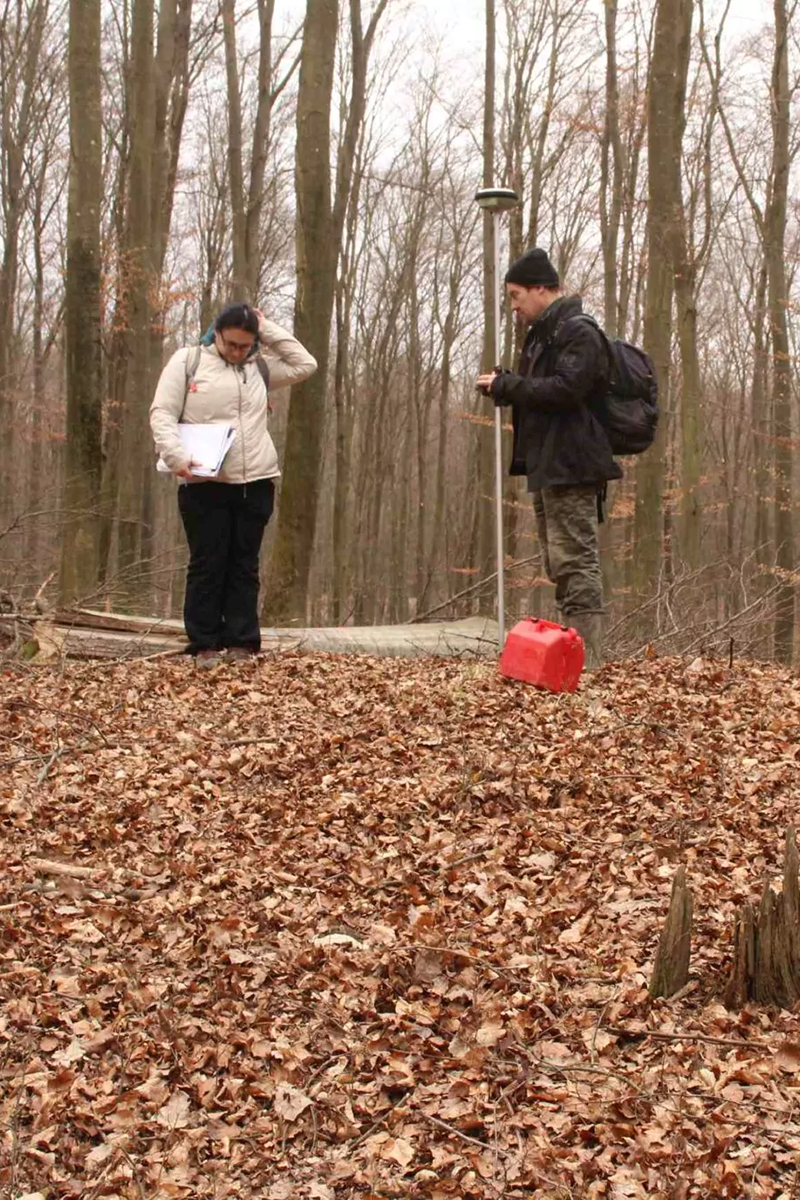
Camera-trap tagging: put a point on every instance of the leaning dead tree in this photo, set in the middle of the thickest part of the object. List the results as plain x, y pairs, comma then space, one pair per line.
766, 954
671, 968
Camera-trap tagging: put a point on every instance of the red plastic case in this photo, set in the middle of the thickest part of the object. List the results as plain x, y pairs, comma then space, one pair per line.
543, 653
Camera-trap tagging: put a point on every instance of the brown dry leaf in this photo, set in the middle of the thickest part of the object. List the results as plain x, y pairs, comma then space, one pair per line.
574, 935
320, 1191
497, 897
397, 1150
175, 1113
788, 1057
290, 1102
490, 1033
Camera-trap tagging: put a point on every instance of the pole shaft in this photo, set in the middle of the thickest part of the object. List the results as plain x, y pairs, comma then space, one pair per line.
498, 446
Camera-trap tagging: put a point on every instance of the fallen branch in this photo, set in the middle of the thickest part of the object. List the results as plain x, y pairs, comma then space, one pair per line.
49, 867
375, 1126
466, 954
642, 1034
464, 1136
473, 587
54, 757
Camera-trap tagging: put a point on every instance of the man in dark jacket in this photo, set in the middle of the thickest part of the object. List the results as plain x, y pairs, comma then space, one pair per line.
558, 441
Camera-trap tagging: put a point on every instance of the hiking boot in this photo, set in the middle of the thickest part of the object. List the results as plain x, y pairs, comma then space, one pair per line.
590, 627
240, 654
207, 658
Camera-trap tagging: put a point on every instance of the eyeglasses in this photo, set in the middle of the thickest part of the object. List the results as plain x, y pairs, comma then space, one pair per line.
234, 347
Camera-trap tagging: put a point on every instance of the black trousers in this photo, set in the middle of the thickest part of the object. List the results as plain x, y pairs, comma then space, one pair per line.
224, 525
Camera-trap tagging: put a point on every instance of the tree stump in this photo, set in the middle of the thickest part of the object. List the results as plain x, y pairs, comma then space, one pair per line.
671, 967
766, 944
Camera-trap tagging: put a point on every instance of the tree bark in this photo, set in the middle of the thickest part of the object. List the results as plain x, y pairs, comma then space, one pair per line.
778, 300
766, 957
484, 484
140, 281
671, 969
316, 276
611, 173
665, 122
21, 38
81, 497
320, 226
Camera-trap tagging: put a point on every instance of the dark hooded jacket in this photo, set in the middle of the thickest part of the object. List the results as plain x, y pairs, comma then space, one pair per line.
563, 368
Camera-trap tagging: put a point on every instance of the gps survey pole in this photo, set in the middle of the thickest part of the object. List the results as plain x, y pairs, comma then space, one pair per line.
497, 201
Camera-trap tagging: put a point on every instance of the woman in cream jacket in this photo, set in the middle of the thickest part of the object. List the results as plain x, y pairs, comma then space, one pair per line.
225, 517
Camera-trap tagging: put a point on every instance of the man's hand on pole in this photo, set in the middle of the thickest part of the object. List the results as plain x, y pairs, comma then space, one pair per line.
484, 384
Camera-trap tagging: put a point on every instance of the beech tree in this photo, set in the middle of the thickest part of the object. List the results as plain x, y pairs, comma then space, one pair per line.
775, 222
247, 198
80, 545
665, 123
23, 24
320, 226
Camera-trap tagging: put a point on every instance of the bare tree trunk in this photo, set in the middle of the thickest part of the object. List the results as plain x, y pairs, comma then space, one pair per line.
344, 434
21, 36
320, 226
775, 225
484, 483
135, 465
80, 537
611, 177
235, 154
247, 202
668, 69
171, 76
46, 184
762, 424
316, 277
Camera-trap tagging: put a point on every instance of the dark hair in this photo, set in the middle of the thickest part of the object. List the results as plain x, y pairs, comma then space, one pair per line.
237, 316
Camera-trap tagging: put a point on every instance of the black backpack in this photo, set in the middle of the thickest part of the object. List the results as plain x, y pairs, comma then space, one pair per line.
628, 411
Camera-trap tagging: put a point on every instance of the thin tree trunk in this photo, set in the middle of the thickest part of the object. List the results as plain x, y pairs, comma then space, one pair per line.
484, 483
761, 407
320, 228
21, 37
135, 465
316, 277
611, 177
80, 535
776, 217
239, 288
668, 69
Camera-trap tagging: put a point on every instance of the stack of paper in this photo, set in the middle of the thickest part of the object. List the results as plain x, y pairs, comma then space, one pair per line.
206, 446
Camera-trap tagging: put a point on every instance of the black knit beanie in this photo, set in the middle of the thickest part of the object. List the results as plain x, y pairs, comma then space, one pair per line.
534, 269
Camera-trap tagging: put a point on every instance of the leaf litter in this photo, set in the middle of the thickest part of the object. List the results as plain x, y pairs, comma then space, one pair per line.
327, 927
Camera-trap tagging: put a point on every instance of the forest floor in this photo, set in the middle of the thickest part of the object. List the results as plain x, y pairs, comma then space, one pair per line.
323, 927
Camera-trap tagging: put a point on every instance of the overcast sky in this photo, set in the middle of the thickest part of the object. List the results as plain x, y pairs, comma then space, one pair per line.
461, 22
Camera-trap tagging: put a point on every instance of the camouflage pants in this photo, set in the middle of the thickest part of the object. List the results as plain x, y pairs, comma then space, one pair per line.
566, 520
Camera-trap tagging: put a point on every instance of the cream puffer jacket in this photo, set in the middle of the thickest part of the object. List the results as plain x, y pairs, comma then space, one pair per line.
232, 394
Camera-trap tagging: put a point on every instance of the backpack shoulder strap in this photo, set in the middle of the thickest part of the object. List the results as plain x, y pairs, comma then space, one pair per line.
589, 320
263, 369
191, 365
